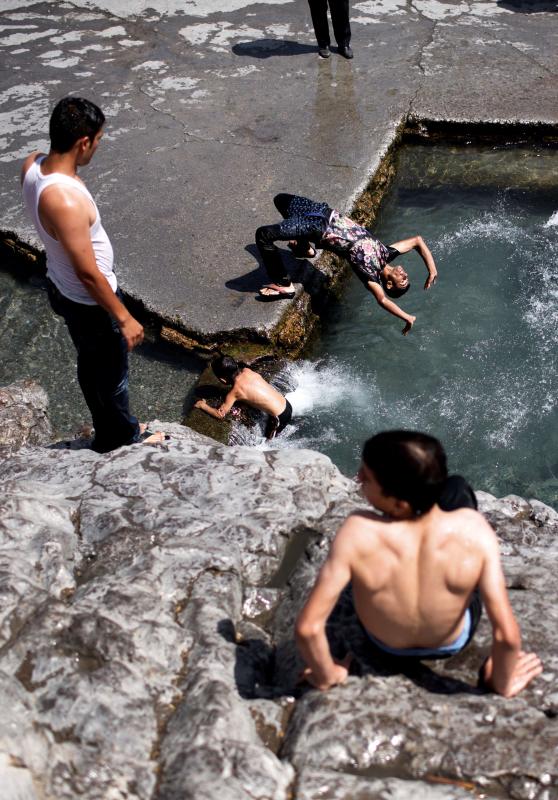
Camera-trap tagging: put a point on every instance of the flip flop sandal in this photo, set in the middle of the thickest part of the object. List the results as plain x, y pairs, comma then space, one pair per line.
147, 433
277, 295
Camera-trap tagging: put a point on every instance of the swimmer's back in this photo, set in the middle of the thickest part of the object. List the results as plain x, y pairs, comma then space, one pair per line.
257, 392
412, 579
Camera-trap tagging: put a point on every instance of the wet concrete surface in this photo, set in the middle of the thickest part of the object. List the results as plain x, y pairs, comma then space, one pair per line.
212, 108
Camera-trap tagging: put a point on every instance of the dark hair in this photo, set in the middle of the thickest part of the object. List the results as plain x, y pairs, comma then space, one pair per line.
395, 291
73, 118
227, 367
408, 465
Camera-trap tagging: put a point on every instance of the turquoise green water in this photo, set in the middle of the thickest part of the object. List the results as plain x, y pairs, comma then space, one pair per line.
35, 344
479, 369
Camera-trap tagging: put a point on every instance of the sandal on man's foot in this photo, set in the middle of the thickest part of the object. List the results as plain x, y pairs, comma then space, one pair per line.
153, 437
302, 251
271, 293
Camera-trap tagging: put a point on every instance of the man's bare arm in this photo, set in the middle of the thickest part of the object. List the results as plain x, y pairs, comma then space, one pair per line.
322, 671
384, 301
224, 408
68, 218
508, 669
27, 163
417, 243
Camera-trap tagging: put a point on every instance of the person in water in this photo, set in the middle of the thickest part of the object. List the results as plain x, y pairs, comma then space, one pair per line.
248, 387
308, 225
416, 570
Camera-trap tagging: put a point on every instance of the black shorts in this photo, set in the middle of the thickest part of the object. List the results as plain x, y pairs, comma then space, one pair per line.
276, 424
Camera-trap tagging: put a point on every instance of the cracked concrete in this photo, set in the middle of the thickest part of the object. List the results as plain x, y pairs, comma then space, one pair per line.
213, 108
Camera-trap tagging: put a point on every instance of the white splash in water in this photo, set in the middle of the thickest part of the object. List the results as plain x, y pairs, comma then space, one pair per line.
497, 225
552, 221
320, 386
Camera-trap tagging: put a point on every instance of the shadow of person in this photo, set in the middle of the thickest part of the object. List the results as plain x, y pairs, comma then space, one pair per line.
267, 48
314, 282
529, 6
252, 281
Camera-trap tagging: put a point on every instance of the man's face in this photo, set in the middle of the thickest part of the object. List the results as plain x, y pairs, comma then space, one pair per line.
399, 277
370, 488
373, 492
88, 148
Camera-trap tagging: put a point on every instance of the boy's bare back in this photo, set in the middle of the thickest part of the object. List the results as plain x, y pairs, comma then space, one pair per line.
412, 579
254, 390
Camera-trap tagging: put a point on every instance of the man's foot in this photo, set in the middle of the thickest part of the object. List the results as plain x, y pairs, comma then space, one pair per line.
346, 51
275, 292
151, 437
324, 52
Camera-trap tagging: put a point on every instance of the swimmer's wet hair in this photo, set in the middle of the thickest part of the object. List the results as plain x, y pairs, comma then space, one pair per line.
71, 119
227, 367
408, 465
394, 292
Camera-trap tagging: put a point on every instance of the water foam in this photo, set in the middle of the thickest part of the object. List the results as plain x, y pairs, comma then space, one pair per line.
553, 220
495, 225
326, 384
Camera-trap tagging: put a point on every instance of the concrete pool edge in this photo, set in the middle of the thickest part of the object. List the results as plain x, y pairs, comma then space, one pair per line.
299, 322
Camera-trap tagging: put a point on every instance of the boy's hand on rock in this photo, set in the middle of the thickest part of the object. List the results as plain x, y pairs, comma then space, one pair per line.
199, 403
527, 667
339, 674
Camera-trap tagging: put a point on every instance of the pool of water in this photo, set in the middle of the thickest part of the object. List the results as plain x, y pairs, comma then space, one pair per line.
35, 344
479, 369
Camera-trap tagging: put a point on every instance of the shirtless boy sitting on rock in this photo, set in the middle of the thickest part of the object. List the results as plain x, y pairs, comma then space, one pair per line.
249, 387
415, 571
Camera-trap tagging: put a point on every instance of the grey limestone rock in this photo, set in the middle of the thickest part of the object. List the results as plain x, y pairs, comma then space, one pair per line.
146, 630
23, 416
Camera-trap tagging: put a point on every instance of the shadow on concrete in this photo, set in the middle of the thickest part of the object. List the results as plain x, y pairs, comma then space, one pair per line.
529, 6
314, 282
266, 48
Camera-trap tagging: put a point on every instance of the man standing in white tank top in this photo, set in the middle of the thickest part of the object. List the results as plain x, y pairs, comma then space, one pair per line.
82, 286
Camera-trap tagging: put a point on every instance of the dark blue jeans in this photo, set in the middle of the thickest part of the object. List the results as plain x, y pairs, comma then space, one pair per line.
304, 220
102, 369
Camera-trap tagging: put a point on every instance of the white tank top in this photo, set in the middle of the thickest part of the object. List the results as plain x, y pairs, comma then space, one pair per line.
59, 267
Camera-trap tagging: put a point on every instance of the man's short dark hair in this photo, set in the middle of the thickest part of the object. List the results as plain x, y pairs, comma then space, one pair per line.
226, 367
408, 465
73, 118
395, 292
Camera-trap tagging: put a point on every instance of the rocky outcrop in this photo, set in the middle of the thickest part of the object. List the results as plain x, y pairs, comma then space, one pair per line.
23, 416
148, 600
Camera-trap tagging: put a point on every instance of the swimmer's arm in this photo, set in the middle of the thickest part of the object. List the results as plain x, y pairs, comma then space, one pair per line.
384, 301
224, 408
321, 670
417, 243
508, 669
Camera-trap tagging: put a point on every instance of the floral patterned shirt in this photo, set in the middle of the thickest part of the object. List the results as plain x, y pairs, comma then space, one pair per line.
366, 254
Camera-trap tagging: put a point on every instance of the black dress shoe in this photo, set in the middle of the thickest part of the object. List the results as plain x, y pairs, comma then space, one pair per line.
324, 52
346, 51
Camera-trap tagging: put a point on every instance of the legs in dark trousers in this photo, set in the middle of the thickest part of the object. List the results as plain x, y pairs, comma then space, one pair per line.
339, 10
102, 368
304, 219
457, 494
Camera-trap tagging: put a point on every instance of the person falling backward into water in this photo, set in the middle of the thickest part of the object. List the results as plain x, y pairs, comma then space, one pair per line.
308, 225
